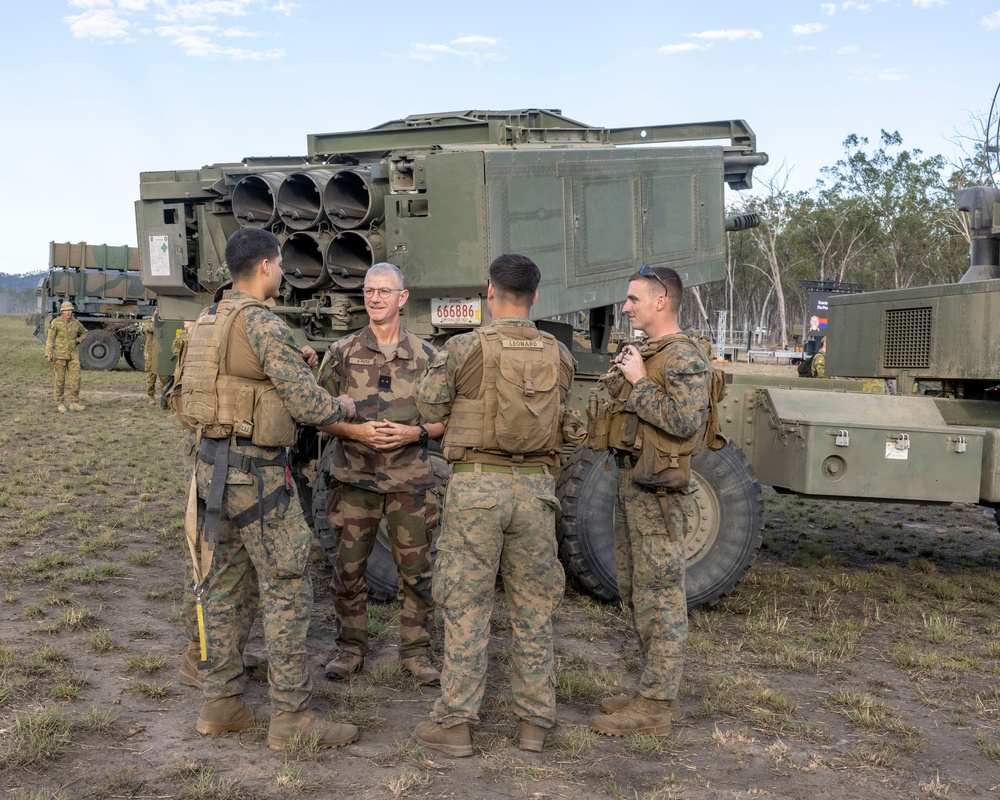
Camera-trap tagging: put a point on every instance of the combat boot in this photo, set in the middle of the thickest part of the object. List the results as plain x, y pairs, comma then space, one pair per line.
343, 664
421, 668
226, 715
308, 726
455, 741
151, 400
77, 407
642, 715
609, 705
61, 408
192, 676
530, 736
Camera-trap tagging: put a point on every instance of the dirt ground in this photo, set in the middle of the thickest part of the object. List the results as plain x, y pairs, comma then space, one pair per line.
774, 707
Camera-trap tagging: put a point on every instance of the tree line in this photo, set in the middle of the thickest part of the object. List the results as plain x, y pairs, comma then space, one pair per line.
882, 216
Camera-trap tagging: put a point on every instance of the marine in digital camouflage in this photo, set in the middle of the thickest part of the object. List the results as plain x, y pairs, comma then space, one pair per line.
151, 355
649, 537
494, 521
264, 565
62, 345
178, 350
369, 484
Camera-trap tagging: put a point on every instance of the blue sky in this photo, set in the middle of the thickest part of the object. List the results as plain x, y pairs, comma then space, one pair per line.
97, 91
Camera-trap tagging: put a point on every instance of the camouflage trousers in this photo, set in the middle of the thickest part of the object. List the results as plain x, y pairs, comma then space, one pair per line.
496, 521
252, 569
62, 366
651, 580
410, 516
151, 383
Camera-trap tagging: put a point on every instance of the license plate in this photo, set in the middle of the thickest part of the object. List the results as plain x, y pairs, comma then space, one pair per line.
456, 311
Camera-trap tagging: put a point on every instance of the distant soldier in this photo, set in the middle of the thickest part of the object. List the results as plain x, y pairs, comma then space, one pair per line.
179, 348
381, 470
151, 354
62, 348
818, 366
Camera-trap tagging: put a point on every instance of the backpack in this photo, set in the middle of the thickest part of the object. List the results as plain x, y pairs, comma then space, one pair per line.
805, 367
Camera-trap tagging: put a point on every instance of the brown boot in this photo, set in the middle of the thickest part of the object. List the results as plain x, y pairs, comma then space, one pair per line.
226, 715
642, 715
343, 664
530, 736
421, 668
192, 676
455, 741
308, 725
76, 407
61, 408
609, 705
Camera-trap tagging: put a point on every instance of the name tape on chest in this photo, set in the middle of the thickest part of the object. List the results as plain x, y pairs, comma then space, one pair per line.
362, 362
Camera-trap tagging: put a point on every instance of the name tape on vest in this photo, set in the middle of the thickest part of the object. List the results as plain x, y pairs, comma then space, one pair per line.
533, 344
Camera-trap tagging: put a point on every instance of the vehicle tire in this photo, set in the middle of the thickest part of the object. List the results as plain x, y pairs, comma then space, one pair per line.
722, 540
136, 354
100, 350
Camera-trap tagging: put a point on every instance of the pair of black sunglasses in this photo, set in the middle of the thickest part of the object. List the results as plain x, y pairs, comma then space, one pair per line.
648, 272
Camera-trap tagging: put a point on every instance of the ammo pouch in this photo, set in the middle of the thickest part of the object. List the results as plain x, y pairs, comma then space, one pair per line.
660, 464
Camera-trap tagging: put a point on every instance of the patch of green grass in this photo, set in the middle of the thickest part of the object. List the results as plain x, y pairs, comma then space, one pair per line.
101, 640
141, 558
36, 737
145, 662
152, 691
98, 720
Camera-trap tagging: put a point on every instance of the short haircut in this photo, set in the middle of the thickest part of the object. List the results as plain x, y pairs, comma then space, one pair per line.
385, 268
246, 248
669, 280
515, 278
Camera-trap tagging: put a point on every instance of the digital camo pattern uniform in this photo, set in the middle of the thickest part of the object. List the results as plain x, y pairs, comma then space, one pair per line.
649, 549
62, 345
494, 521
368, 485
264, 562
150, 356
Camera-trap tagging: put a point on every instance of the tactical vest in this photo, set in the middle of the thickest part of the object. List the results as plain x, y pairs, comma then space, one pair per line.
519, 409
662, 460
222, 404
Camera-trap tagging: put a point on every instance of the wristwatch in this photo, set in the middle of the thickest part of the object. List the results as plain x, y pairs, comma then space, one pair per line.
422, 441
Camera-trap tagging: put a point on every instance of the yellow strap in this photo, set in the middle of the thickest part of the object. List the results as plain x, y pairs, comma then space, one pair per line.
201, 567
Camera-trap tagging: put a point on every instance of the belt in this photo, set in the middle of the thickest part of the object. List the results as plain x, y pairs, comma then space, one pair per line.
208, 447
465, 467
624, 460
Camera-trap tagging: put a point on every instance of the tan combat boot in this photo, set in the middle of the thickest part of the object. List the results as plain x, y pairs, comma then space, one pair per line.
530, 736
455, 741
226, 715
421, 668
642, 715
61, 408
192, 676
77, 407
308, 726
609, 705
343, 664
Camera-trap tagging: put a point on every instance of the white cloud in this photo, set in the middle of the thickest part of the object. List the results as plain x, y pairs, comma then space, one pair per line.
471, 47
828, 8
929, 3
103, 23
198, 10
847, 49
683, 47
893, 74
240, 33
727, 35
992, 22
808, 28
850, 4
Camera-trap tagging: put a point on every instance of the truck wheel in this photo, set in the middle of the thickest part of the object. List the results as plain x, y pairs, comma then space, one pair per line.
136, 354
722, 539
100, 350
381, 576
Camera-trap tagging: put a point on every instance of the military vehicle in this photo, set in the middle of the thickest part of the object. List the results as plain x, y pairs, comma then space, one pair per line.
440, 196
104, 283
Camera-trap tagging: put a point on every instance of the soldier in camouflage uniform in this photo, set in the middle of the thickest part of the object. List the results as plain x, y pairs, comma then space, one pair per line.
179, 348
151, 355
650, 526
380, 469
499, 514
818, 365
262, 553
62, 349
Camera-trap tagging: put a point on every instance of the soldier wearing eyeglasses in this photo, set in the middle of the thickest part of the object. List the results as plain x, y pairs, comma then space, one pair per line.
381, 469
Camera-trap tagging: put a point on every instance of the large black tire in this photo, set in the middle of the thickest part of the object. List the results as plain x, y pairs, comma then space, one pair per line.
136, 354
100, 350
722, 539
